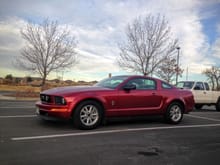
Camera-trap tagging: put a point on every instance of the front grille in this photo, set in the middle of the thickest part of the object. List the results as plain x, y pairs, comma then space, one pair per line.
58, 100
46, 98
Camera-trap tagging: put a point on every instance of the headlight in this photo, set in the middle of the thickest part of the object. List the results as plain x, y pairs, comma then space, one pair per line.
59, 100
45, 98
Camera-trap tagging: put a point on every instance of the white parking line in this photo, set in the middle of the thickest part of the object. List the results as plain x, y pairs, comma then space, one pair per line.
18, 116
110, 131
201, 117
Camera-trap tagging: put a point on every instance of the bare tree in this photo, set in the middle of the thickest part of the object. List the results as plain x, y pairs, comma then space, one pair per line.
48, 48
213, 75
149, 43
168, 69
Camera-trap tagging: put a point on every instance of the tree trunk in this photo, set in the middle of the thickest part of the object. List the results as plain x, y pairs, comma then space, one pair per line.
43, 84
217, 84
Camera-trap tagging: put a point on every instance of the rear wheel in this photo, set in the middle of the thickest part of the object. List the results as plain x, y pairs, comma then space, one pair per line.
88, 115
174, 113
217, 106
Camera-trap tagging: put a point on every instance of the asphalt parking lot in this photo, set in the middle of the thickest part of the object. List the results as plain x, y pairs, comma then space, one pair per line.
26, 139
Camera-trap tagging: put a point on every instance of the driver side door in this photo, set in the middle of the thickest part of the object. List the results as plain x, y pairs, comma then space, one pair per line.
141, 100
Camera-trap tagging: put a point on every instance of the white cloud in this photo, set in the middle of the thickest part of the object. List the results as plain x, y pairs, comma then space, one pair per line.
183, 17
98, 41
10, 39
218, 28
91, 62
216, 48
10, 43
216, 45
94, 50
197, 68
100, 25
193, 42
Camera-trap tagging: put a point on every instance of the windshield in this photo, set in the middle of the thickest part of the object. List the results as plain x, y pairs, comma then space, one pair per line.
185, 84
112, 82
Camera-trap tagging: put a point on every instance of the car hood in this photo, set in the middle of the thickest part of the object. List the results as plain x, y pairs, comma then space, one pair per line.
73, 89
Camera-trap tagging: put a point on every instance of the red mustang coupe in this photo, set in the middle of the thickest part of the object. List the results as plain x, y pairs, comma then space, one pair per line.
115, 96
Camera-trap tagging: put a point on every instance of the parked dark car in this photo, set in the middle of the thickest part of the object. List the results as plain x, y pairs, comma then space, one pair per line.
116, 97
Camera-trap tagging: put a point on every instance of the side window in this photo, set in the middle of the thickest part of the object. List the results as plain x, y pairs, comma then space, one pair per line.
149, 84
207, 86
199, 86
166, 86
143, 84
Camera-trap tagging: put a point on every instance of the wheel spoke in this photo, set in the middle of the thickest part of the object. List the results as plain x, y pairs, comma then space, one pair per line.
94, 116
175, 113
89, 115
83, 116
87, 120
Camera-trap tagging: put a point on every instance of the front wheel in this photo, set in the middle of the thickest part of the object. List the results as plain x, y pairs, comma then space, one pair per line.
174, 113
88, 115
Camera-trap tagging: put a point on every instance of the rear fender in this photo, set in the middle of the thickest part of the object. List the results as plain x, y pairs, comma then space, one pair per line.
168, 102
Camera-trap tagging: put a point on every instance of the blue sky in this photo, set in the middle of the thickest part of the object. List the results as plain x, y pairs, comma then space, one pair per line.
100, 25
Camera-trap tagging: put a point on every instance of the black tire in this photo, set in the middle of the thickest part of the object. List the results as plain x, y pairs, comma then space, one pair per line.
174, 113
198, 106
88, 115
217, 105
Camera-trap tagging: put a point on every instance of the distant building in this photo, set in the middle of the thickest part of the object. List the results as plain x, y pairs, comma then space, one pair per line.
36, 81
18, 80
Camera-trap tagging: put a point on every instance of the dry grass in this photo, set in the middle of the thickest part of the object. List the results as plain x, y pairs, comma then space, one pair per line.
19, 88
27, 91
21, 91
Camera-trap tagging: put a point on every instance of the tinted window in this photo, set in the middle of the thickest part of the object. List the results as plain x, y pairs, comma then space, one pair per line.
199, 86
206, 86
143, 83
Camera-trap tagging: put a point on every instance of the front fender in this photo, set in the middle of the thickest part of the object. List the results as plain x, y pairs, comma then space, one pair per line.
76, 100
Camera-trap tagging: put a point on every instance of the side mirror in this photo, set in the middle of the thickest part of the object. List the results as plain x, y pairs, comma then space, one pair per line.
129, 87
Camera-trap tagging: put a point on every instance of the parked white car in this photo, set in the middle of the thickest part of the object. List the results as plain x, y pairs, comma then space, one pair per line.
202, 93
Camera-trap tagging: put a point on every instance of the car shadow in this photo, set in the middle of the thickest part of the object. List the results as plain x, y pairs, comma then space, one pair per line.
204, 110
109, 122
133, 121
55, 124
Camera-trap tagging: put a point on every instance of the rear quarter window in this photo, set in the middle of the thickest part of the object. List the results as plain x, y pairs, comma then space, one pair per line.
166, 86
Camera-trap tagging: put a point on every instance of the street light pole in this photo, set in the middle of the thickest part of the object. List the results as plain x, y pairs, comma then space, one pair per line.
177, 67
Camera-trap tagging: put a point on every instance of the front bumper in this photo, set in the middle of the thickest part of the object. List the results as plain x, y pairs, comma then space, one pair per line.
54, 111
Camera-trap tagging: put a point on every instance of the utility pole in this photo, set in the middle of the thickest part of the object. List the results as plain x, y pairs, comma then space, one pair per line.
177, 67
187, 72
